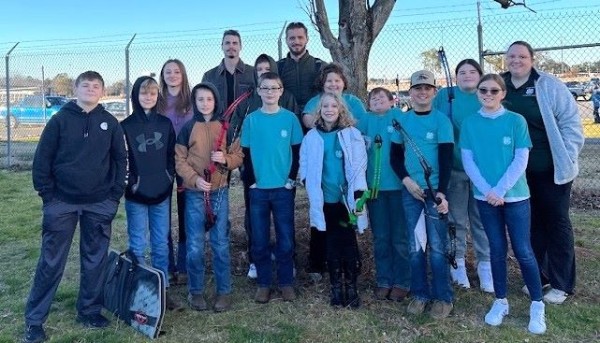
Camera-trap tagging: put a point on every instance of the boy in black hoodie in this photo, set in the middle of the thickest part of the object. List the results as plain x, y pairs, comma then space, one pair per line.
150, 141
79, 172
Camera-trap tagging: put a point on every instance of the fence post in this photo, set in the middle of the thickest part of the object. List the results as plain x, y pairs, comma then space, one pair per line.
8, 133
480, 35
127, 90
279, 40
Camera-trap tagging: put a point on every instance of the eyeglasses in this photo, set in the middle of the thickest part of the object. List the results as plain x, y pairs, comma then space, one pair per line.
269, 89
493, 91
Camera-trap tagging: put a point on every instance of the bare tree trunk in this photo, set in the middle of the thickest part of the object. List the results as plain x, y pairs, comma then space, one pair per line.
359, 24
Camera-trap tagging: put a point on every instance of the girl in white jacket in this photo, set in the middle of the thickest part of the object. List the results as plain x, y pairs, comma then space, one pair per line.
333, 161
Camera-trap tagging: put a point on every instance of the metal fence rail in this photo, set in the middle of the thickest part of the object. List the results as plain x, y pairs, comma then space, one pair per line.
566, 45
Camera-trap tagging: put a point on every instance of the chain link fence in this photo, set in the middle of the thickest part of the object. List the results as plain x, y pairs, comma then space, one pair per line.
565, 42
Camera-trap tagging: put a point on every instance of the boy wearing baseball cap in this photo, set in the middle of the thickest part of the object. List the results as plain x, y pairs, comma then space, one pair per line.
425, 134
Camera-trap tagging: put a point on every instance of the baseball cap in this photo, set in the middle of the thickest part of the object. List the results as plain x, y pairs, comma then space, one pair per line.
422, 77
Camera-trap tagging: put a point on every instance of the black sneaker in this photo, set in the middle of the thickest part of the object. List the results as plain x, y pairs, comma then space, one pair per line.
34, 334
93, 320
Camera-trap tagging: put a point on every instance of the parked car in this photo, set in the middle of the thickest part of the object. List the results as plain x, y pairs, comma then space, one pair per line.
116, 108
579, 90
402, 100
33, 109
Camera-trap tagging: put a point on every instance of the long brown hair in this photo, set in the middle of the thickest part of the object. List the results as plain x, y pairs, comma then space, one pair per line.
183, 104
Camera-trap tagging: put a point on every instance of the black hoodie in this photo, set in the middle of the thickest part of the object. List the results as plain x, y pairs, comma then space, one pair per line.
80, 157
254, 102
150, 152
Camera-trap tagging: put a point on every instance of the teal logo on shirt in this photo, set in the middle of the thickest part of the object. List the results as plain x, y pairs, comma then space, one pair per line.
506, 140
284, 133
530, 91
390, 129
339, 154
429, 136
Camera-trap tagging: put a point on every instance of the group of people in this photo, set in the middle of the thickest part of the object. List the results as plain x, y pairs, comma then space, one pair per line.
498, 155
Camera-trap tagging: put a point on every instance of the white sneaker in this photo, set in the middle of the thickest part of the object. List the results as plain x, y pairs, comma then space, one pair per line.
555, 296
486, 282
537, 318
496, 314
525, 290
459, 275
252, 271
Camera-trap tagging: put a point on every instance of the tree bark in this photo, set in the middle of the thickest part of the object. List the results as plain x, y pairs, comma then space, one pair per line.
359, 25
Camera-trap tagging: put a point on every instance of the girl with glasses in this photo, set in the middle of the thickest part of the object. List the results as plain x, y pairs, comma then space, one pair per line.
495, 148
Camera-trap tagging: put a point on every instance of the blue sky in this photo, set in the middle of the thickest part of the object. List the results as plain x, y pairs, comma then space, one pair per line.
55, 28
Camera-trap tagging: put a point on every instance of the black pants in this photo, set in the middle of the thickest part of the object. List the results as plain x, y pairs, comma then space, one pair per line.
551, 231
341, 239
178, 265
58, 227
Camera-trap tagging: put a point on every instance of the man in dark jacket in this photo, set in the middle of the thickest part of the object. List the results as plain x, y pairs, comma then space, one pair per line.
232, 76
299, 70
79, 172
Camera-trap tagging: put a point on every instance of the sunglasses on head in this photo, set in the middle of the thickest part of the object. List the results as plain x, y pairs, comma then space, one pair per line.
492, 91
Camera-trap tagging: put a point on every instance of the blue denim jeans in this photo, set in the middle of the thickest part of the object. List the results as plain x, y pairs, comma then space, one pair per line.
280, 203
514, 217
195, 217
437, 234
464, 212
155, 218
390, 240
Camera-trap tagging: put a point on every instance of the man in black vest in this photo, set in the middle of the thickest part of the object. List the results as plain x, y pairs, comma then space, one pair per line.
299, 70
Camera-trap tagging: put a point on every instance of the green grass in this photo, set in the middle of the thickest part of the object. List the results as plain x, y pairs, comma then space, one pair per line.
309, 319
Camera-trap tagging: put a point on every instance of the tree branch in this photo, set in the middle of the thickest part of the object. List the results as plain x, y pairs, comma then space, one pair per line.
321, 21
380, 12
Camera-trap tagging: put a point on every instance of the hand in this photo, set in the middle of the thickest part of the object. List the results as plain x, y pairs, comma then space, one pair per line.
443, 206
289, 184
413, 188
202, 185
356, 211
217, 156
494, 199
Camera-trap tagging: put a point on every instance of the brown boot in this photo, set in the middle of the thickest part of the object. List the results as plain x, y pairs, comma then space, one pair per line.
222, 303
263, 295
197, 302
382, 293
173, 303
398, 294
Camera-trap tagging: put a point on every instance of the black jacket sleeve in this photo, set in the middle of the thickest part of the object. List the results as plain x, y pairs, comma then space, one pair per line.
43, 160
397, 160
171, 152
249, 176
445, 156
295, 162
118, 155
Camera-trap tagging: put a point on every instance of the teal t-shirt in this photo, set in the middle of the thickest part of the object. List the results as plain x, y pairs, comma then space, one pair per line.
269, 136
464, 105
427, 131
493, 143
373, 124
333, 167
354, 104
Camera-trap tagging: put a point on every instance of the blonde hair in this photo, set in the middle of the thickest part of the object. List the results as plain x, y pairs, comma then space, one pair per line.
345, 118
149, 84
